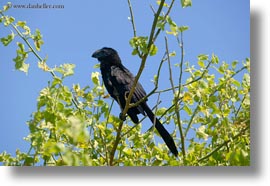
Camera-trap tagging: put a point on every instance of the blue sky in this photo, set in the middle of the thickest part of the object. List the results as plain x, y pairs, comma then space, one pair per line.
72, 34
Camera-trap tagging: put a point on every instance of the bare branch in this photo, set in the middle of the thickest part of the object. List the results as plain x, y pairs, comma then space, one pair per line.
132, 18
176, 99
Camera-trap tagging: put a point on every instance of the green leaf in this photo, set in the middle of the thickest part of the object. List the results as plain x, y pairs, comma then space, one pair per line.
24, 68
201, 132
161, 22
155, 79
187, 97
27, 30
51, 147
8, 39
153, 50
140, 43
172, 54
202, 57
8, 20
197, 73
234, 63
186, 3
171, 22
38, 44
247, 64
95, 78
215, 109
237, 83
201, 64
188, 110
42, 64
134, 52
213, 98
7, 6
56, 81
97, 65
127, 151
214, 59
165, 4
183, 28
37, 37
174, 30
20, 59
221, 70
21, 23
161, 111
65, 69
213, 123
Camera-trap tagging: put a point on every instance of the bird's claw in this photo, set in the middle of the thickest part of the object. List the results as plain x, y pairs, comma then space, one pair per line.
122, 116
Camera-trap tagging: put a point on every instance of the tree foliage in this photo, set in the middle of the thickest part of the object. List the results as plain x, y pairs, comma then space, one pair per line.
74, 125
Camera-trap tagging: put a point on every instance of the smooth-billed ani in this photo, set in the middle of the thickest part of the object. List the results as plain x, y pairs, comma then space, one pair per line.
118, 81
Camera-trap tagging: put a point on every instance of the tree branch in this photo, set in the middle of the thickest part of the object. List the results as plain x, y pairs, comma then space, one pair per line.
223, 144
117, 140
144, 57
176, 99
154, 89
132, 19
35, 53
167, 13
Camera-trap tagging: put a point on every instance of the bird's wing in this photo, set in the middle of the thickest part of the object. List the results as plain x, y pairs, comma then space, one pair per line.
122, 81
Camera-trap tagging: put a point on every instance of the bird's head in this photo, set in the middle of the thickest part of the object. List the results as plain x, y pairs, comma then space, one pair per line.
107, 55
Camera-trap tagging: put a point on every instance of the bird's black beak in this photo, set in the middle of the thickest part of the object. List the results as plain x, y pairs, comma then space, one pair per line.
97, 54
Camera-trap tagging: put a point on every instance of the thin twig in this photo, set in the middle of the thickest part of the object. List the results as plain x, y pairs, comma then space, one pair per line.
192, 117
181, 44
129, 130
223, 144
132, 19
133, 26
240, 106
35, 53
117, 140
199, 78
106, 125
202, 75
118, 135
144, 57
166, 14
176, 99
186, 84
154, 89
153, 10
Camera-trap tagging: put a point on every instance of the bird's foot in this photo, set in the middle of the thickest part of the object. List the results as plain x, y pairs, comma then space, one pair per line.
122, 116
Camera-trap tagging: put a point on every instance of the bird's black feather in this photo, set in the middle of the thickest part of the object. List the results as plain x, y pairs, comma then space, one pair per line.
118, 81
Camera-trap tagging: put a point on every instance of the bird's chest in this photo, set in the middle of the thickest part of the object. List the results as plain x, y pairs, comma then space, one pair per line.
108, 81
106, 76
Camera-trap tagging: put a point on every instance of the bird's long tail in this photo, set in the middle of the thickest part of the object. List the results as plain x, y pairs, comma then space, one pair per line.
161, 130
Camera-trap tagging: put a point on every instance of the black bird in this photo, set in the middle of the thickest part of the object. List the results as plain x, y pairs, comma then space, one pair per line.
118, 81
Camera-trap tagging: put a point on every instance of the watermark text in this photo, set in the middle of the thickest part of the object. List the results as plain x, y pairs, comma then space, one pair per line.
37, 6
